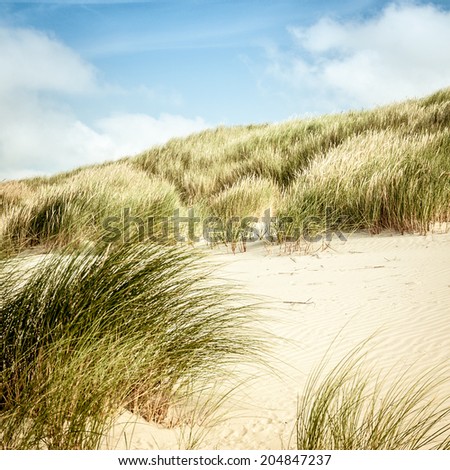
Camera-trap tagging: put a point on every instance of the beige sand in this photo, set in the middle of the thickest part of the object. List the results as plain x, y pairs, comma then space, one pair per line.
395, 286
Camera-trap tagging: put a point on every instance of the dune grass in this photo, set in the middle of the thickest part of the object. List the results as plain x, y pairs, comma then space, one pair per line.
352, 408
87, 334
386, 168
237, 208
74, 207
376, 181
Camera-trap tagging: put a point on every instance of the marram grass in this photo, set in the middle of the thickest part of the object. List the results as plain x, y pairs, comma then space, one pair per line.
76, 207
239, 207
352, 408
87, 334
386, 168
377, 180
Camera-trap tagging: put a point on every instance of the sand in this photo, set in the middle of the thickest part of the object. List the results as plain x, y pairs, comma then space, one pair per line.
395, 287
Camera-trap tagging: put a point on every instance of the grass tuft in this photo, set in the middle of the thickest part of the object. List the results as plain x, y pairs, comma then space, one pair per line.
87, 334
350, 408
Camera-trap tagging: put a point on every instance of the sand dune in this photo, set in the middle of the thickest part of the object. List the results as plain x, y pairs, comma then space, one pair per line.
392, 286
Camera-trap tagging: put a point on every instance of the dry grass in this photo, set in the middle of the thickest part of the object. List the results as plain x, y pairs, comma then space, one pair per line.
377, 180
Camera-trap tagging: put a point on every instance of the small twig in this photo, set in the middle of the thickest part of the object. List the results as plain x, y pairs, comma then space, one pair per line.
298, 302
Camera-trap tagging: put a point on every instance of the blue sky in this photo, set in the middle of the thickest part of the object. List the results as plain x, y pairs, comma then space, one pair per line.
86, 81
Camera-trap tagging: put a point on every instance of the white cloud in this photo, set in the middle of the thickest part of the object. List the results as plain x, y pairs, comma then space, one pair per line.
30, 60
401, 53
40, 134
40, 140
134, 132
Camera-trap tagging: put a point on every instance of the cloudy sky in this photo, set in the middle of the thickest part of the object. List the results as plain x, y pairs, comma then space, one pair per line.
84, 81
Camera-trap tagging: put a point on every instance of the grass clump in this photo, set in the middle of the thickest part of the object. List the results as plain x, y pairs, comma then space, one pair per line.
87, 334
350, 408
12, 193
51, 216
239, 207
375, 181
75, 206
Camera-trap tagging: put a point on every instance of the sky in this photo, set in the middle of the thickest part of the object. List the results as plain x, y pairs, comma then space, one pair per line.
84, 81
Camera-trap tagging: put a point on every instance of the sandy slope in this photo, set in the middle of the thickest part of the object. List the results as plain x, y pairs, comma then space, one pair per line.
395, 286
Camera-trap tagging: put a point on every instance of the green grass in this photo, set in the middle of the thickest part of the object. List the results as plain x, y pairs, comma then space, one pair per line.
87, 334
352, 408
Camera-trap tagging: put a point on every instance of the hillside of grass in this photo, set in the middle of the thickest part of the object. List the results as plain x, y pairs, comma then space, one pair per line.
386, 168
